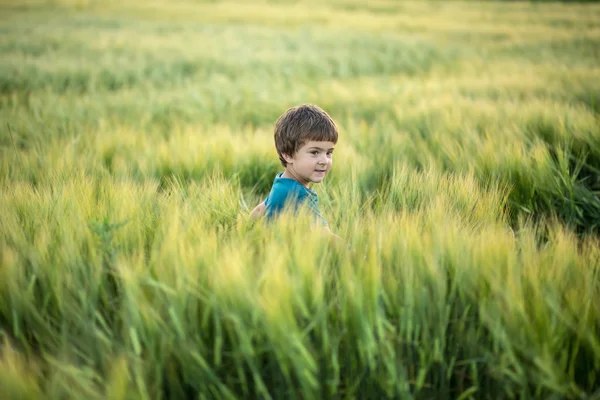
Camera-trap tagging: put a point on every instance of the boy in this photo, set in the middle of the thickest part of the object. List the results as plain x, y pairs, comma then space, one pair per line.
305, 137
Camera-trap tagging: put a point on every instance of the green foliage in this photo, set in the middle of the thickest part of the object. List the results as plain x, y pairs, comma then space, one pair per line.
104, 230
466, 183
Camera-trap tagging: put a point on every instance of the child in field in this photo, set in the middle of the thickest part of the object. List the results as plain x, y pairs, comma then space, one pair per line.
305, 137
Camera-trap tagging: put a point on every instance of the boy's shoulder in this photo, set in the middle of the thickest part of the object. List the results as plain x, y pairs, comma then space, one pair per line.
289, 191
285, 187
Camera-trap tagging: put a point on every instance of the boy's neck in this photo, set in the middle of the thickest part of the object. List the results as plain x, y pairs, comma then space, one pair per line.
290, 175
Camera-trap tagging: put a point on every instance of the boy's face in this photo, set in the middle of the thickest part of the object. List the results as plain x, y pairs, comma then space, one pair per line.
310, 163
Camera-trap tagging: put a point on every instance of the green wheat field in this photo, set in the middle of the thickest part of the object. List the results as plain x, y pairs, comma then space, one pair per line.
136, 137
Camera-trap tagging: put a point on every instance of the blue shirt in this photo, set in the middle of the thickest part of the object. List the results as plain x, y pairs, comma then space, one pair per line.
287, 190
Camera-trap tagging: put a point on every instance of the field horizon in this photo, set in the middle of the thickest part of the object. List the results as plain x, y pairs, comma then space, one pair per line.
138, 136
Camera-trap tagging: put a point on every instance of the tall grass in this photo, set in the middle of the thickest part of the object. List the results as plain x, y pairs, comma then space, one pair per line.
137, 137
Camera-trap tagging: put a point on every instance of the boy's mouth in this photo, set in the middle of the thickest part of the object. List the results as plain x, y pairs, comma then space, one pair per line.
320, 170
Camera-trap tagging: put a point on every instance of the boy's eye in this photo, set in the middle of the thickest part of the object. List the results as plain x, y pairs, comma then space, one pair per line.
314, 152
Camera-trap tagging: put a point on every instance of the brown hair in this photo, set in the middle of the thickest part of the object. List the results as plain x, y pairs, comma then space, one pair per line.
300, 124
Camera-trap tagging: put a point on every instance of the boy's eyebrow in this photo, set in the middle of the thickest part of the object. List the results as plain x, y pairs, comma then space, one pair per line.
320, 148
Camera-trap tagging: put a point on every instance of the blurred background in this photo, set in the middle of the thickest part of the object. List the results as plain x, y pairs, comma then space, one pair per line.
153, 86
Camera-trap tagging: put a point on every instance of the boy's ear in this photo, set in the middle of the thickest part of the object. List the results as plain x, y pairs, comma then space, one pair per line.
287, 158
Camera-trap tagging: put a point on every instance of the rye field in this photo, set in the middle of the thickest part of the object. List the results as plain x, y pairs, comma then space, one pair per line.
136, 136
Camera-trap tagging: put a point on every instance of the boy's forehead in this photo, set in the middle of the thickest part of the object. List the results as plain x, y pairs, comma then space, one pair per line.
323, 145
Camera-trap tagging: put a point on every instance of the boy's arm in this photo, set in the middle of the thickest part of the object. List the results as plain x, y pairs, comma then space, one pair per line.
335, 237
259, 210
